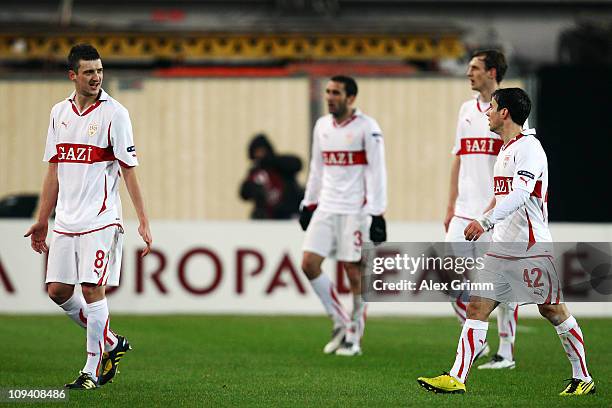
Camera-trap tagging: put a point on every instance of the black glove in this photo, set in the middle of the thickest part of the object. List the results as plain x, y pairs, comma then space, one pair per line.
378, 229
305, 215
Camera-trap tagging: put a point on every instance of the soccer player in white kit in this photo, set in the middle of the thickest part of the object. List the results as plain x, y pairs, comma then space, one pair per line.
475, 151
346, 191
519, 217
89, 148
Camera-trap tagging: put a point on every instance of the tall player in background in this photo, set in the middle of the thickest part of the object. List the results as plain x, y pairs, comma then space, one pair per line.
89, 147
471, 192
346, 185
519, 262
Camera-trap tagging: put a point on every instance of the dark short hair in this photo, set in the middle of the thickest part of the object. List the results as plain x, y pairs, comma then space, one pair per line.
80, 52
516, 101
493, 59
350, 85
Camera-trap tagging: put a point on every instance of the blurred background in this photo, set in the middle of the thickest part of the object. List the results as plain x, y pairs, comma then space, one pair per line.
201, 79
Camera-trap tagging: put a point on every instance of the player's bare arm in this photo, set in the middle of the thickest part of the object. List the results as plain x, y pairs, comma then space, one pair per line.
453, 193
131, 182
48, 198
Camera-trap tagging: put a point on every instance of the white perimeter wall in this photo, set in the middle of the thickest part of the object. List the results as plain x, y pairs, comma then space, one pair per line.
229, 252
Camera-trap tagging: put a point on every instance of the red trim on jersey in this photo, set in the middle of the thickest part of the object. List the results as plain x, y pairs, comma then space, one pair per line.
517, 137
346, 121
345, 158
537, 191
584, 372
532, 240
480, 145
124, 164
105, 195
82, 153
479, 108
460, 304
108, 137
517, 258
87, 232
88, 110
463, 218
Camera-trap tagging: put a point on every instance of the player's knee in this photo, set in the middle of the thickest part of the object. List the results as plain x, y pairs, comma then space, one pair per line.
311, 266
476, 311
352, 272
59, 293
556, 314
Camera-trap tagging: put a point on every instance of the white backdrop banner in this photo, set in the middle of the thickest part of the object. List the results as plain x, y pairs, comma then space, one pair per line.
227, 267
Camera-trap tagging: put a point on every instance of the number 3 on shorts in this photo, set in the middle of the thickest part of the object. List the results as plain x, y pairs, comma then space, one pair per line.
358, 240
99, 262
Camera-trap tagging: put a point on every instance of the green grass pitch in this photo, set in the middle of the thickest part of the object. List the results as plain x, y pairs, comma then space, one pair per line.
277, 361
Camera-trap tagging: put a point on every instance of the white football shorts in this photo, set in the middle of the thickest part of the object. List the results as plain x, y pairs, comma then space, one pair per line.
94, 257
337, 235
524, 280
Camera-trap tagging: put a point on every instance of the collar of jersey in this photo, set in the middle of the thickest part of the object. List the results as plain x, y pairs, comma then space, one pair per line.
355, 114
478, 105
102, 97
514, 139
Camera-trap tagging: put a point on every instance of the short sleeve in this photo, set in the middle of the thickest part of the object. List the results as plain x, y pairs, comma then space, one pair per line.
457, 146
530, 162
50, 147
122, 139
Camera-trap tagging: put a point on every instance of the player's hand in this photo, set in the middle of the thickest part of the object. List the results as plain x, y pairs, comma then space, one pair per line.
450, 213
378, 229
473, 231
306, 214
145, 233
38, 236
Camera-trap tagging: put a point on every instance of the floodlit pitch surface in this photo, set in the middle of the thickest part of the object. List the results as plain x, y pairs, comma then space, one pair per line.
277, 361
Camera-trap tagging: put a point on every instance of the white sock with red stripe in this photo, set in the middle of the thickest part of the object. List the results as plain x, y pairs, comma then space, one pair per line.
76, 309
507, 316
473, 338
324, 288
97, 323
573, 342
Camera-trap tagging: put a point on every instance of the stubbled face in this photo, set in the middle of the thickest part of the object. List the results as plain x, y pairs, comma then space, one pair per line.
338, 103
478, 75
88, 78
496, 118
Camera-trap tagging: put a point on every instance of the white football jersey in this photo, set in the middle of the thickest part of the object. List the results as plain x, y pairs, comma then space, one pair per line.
522, 164
89, 147
478, 148
347, 172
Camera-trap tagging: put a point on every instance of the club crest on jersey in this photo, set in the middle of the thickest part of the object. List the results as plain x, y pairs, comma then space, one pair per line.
92, 129
506, 160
